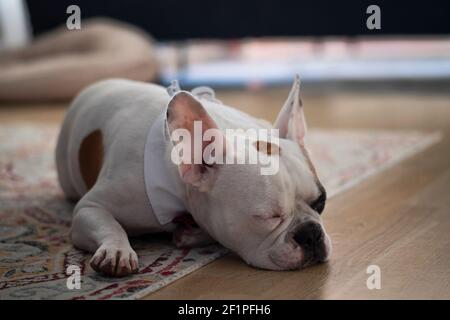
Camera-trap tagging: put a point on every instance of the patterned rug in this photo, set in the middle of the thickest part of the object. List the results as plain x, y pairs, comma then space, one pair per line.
35, 250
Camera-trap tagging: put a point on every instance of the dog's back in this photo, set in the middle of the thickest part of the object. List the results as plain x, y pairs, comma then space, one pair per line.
94, 121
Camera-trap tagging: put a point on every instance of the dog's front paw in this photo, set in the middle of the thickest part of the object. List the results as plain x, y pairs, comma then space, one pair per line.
114, 260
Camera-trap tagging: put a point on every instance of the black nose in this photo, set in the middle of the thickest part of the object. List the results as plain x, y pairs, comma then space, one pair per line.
309, 236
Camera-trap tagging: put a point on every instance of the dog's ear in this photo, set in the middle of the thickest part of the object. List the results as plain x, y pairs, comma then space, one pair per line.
291, 119
200, 142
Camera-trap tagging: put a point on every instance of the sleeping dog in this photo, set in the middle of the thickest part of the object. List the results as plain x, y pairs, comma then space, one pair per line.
115, 155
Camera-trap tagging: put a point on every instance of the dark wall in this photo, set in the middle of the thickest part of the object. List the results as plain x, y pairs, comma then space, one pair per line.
175, 19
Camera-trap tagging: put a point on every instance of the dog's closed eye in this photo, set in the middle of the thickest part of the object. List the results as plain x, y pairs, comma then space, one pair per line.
271, 217
318, 205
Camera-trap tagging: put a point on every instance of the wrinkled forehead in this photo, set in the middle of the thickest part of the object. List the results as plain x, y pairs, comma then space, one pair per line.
245, 182
295, 179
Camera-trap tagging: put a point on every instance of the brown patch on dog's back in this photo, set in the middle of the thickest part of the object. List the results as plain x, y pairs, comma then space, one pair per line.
90, 157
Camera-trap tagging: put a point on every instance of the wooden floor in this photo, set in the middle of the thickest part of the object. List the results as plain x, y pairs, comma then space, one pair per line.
398, 220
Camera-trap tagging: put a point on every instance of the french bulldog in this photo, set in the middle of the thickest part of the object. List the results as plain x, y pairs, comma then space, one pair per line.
114, 156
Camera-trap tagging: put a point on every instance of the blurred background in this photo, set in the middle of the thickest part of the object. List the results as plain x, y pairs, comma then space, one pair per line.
264, 43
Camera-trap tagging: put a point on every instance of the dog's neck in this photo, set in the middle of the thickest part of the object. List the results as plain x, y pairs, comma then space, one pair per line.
165, 190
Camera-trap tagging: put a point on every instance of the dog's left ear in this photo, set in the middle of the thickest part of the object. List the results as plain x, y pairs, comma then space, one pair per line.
291, 119
185, 113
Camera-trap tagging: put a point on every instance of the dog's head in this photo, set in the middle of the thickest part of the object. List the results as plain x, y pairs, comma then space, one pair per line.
271, 220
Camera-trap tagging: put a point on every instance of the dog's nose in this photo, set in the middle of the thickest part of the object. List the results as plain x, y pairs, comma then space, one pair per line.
309, 236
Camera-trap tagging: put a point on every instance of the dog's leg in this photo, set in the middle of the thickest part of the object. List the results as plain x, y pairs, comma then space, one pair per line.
94, 229
189, 237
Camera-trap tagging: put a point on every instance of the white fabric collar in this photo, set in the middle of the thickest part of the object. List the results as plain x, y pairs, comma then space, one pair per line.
160, 183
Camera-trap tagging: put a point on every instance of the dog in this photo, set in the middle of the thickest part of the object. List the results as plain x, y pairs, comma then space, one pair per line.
114, 156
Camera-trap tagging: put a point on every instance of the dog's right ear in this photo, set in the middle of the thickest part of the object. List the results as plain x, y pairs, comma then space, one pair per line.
291, 119
185, 114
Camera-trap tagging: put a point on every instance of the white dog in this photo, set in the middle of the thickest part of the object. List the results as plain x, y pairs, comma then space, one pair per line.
114, 155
